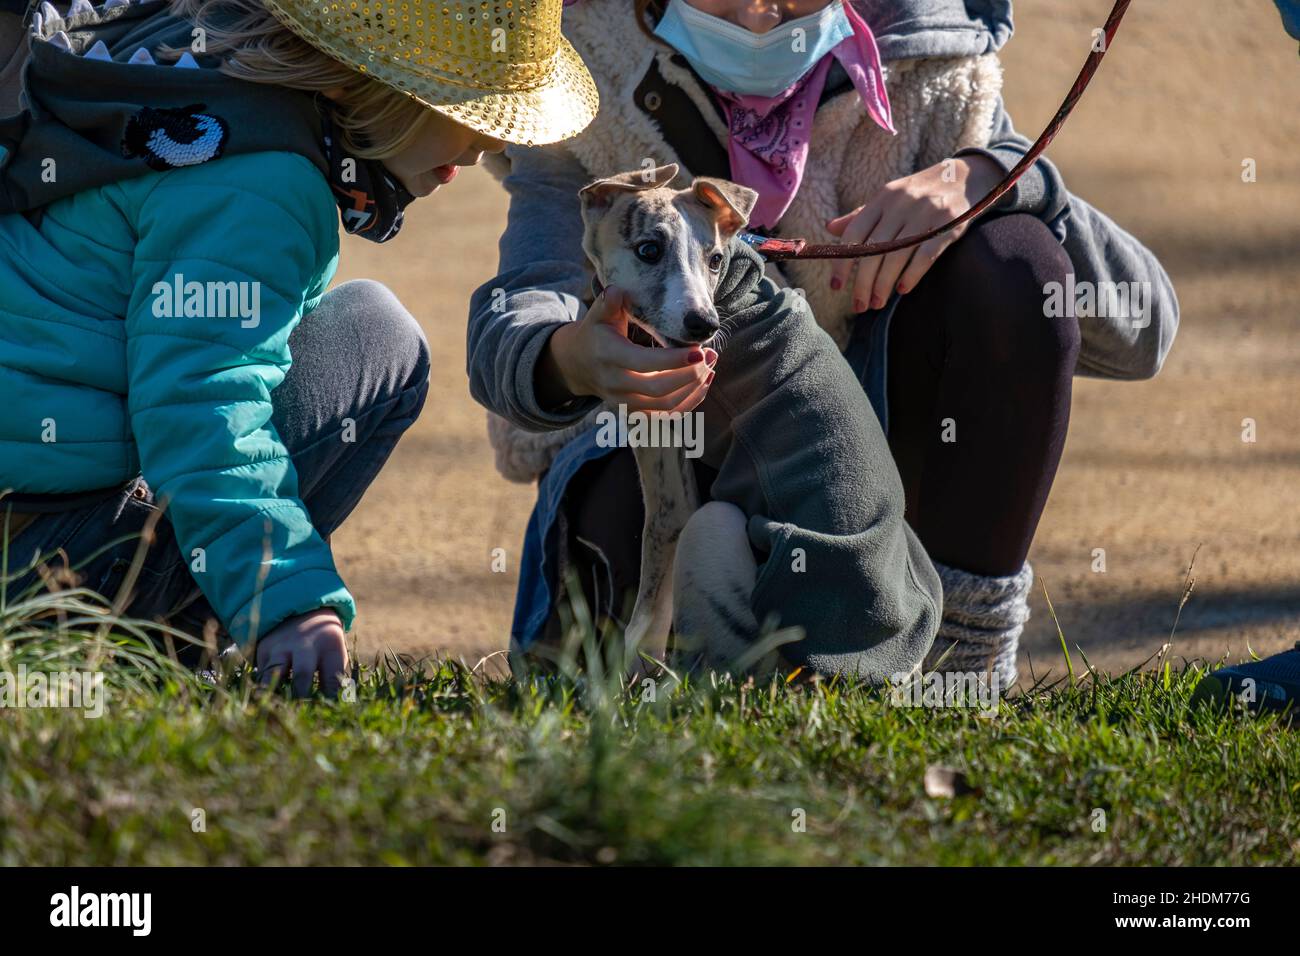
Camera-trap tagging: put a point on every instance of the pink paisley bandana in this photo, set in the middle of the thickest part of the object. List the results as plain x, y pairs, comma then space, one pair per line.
769, 136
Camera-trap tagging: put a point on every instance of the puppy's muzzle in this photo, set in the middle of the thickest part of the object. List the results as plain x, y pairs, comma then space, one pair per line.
700, 325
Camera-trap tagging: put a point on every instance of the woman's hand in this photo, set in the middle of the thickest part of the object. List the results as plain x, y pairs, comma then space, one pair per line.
305, 645
906, 207
594, 357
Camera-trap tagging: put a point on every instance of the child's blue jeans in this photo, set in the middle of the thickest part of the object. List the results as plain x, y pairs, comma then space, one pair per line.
360, 361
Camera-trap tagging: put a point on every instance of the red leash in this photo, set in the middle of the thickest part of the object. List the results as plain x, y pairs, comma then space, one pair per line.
802, 249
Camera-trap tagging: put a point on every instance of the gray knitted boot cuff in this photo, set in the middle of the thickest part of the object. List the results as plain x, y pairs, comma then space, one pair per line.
983, 618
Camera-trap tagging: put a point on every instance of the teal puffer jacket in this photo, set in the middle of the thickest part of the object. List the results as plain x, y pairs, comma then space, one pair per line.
103, 378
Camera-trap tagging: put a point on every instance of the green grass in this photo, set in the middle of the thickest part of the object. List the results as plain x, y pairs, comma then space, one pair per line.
440, 763
575, 770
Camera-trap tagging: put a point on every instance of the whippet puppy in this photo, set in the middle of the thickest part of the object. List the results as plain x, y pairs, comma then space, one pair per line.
666, 248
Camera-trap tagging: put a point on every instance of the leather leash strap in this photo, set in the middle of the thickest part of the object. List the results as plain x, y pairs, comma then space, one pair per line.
779, 249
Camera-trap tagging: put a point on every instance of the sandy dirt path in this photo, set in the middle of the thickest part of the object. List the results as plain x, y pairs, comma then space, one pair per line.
1152, 470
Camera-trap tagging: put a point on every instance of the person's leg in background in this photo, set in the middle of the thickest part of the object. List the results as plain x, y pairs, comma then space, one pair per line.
604, 518
979, 403
604, 515
359, 379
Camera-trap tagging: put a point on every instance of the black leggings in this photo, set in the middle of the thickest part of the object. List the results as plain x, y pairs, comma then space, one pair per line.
979, 394
972, 344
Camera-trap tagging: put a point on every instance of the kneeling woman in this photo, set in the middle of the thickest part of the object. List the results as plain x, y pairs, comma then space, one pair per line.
965, 367
166, 338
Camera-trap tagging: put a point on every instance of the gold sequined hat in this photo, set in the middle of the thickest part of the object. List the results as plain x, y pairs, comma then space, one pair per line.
498, 66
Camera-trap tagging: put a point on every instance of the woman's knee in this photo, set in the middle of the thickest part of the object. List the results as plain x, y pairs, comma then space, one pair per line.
1002, 272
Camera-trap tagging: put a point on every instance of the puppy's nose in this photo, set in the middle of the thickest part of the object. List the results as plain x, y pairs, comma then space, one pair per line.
699, 324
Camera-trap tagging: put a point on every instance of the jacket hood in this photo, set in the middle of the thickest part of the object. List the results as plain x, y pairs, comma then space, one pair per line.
911, 29
100, 106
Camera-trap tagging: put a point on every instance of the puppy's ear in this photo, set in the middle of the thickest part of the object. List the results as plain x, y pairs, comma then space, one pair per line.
729, 202
600, 195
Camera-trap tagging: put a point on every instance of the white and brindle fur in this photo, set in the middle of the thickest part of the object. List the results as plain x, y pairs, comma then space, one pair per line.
664, 247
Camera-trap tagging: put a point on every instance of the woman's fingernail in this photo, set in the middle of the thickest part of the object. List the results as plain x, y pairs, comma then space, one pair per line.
902, 288
877, 302
836, 283
711, 356
709, 381
695, 357
859, 305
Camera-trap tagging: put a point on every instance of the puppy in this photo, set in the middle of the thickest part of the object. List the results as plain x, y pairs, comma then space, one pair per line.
666, 248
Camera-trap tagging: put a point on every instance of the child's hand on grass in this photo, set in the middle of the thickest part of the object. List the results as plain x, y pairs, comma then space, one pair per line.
593, 356
305, 646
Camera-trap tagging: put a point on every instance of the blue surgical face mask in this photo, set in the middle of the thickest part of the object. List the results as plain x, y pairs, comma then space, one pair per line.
732, 58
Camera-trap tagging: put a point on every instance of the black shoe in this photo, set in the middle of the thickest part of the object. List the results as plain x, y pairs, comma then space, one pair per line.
1272, 684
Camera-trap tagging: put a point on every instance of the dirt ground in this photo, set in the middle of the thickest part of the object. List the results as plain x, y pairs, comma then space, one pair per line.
1152, 470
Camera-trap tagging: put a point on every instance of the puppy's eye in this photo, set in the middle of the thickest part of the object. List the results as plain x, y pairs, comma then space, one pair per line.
715, 261
649, 251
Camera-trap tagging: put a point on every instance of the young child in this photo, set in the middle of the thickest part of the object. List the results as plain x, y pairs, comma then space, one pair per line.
168, 231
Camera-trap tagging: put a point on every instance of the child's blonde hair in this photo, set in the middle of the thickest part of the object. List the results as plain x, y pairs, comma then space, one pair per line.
375, 120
